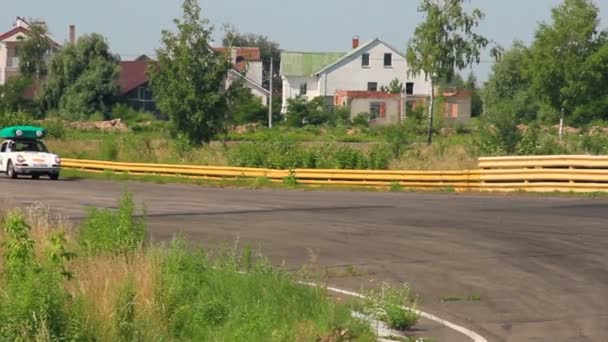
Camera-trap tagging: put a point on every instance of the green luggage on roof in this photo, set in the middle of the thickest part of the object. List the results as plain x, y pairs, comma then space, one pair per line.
22, 132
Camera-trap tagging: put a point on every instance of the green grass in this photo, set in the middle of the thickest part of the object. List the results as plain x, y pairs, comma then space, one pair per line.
178, 292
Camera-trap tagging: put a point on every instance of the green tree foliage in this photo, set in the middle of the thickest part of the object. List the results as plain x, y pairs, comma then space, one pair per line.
302, 112
509, 85
476, 99
12, 95
33, 51
395, 87
188, 80
561, 53
82, 79
246, 108
443, 43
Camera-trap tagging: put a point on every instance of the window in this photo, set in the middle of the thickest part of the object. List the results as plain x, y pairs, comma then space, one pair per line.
365, 60
388, 60
375, 109
29, 146
144, 94
372, 86
303, 89
3, 147
409, 88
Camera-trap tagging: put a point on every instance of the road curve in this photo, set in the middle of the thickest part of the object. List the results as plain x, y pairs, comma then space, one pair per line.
538, 264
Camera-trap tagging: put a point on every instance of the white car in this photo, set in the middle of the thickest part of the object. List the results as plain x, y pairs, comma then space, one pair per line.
28, 157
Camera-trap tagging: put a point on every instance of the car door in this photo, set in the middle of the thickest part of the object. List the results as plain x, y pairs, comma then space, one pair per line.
3, 156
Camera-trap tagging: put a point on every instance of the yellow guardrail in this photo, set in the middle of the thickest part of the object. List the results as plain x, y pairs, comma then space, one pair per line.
535, 173
564, 173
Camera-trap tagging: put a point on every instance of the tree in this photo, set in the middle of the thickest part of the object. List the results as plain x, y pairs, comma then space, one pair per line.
188, 80
443, 43
395, 87
268, 50
476, 99
33, 51
560, 53
509, 85
12, 94
83, 79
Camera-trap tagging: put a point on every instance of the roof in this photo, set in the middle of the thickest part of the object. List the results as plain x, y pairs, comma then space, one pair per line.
13, 32
23, 30
132, 74
356, 51
458, 93
306, 63
250, 82
363, 94
250, 54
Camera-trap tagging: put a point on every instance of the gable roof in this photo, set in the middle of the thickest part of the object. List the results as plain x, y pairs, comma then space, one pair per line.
315, 63
13, 32
132, 74
306, 63
356, 52
23, 30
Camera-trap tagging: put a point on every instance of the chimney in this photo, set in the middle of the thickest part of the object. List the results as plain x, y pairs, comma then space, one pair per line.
355, 42
72, 37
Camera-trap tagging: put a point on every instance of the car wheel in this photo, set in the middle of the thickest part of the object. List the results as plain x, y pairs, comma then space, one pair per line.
35, 176
10, 170
54, 176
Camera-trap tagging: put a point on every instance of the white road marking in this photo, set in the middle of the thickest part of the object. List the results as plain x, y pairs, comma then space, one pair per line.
475, 337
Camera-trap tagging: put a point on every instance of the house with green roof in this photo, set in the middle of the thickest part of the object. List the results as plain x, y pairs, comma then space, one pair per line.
365, 67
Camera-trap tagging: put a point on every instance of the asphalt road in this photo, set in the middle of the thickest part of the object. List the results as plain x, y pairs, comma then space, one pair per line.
538, 264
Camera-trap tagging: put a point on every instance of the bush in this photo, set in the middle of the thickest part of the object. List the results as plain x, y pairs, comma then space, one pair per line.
33, 301
130, 115
499, 134
361, 120
388, 304
55, 129
595, 144
302, 112
105, 231
287, 154
15, 118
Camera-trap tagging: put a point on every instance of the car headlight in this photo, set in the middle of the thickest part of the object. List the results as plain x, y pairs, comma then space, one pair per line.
20, 159
57, 160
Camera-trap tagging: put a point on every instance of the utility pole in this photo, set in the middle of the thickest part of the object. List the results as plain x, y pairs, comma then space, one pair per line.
270, 92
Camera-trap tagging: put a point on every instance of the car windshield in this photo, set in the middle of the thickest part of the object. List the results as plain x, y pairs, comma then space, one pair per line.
28, 146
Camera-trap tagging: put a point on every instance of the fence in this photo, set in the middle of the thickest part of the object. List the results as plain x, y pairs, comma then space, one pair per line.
538, 173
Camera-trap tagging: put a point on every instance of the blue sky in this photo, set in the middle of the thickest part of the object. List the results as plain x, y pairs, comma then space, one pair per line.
133, 26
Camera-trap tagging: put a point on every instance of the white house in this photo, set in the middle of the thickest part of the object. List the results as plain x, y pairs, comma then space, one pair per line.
10, 42
365, 68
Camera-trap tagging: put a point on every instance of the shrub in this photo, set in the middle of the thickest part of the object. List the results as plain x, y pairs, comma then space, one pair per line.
15, 118
398, 137
55, 129
595, 144
361, 120
302, 112
32, 301
499, 134
105, 231
388, 304
349, 158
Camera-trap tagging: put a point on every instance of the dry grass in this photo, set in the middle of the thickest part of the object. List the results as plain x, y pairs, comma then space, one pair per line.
436, 157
